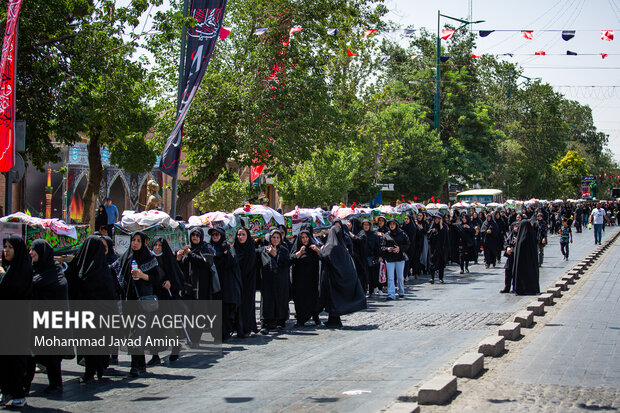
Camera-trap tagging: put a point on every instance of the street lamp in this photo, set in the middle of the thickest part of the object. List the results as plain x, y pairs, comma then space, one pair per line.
438, 71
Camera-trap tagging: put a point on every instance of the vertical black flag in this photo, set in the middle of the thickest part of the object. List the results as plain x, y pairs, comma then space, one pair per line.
200, 44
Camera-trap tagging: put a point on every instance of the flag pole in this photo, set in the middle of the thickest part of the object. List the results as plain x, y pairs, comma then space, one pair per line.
180, 88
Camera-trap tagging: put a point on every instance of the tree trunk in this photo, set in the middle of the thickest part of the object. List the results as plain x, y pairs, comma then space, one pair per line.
95, 176
188, 191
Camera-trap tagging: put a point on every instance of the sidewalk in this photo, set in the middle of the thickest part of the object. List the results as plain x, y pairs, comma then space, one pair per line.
570, 362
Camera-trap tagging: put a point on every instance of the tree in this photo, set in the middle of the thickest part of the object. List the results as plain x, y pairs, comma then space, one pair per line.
226, 194
105, 93
570, 169
412, 156
272, 98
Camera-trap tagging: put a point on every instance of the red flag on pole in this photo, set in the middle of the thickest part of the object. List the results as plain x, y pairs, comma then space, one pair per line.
603, 55
540, 53
527, 34
369, 32
7, 89
607, 35
224, 32
446, 34
255, 172
350, 53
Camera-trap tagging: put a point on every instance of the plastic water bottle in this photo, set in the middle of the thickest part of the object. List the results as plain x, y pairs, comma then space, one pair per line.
134, 266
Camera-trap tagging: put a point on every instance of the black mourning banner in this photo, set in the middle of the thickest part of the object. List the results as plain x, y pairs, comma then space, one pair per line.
102, 327
201, 41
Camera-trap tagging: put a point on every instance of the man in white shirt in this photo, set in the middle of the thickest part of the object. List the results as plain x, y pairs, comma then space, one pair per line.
597, 218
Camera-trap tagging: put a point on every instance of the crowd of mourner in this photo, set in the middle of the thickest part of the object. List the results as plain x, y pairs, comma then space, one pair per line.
329, 271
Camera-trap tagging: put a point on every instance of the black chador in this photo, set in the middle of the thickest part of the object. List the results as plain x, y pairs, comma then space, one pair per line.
525, 266
245, 255
490, 232
340, 289
275, 280
230, 281
305, 278
439, 248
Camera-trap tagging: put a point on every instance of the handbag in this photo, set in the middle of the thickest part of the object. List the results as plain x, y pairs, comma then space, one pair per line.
148, 303
382, 273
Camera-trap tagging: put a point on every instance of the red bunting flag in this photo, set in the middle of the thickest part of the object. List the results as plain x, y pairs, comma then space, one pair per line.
603, 55
476, 56
295, 30
540, 53
350, 53
224, 32
413, 56
255, 172
369, 32
446, 34
527, 34
607, 35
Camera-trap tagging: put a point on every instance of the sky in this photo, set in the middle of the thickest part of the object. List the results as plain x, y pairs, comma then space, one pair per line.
590, 80
573, 76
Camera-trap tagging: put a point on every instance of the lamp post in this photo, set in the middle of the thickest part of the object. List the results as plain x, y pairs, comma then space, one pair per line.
438, 63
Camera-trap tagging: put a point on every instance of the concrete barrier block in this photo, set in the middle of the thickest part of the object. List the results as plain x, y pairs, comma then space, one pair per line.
438, 390
468, 365
546, 298
569, 279
563, 284
525, 318
510, 331
401, 407
537, 307
556, 291
492, 346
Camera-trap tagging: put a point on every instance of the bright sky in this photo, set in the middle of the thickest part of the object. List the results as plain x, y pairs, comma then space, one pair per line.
587, 79
571, 75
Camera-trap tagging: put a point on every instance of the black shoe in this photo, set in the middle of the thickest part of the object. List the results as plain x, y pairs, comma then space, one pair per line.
298, 324
53, 390
154, 361
87, 379
264, 331
134, 372
333, 325
462, 272
99, 374
432, 281
467, 270
486, 266
387, 299
440, 281
401, 296
173, 357
504, 291
317, 320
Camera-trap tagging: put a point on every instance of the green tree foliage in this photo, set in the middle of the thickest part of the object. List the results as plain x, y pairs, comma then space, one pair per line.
226, 194
272, 99
570, 169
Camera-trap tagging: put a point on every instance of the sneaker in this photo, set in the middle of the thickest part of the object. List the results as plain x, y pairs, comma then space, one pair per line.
380, 292
5, 399
17, 402
432, 281
440, 281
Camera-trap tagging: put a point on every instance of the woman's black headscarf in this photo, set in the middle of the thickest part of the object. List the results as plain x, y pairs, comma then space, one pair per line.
356, 226
298, 243
88, 274
143, 257
111, 256
45, 271
202, 247
16, 283
101, 218
245, 253
266, 258
169, 264
220, 247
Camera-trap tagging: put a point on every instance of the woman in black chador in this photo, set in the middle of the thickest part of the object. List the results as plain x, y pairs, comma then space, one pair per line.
136, 283
15, 284
466, 242
305, 285
245, 254
89, 278
525, 265
169, 287
48, 283
439, 248
275, 280
412, 231
201, 279
230, 281
490, 232
511, 241
340, 289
